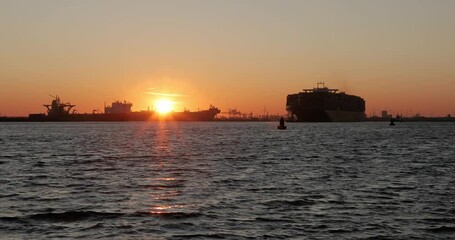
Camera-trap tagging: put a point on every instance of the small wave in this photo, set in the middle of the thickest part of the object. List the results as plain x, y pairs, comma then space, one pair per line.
440, 220
90, 160
265, 219
402, 188
35, 183
163, 186
8, 195
173, 215
95, 226
275, 236
385, 237
74, 216
64, 155
337, 202
442, 229
300, 202
339, 230
209, 236
37, 177
271, 163
322, 226
179, 225
10, 219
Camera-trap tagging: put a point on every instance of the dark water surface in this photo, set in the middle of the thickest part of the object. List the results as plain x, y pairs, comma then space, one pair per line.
227, 180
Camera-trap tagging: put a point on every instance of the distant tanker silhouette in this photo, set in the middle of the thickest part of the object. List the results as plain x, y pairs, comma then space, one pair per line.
118, 111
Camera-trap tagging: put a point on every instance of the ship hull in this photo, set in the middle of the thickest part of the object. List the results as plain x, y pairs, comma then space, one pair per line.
329, 116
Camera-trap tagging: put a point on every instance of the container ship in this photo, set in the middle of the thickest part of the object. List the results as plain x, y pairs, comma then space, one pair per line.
59, 111
322, 104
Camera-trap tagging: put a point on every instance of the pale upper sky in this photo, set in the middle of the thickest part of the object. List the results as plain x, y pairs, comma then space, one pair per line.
399, 55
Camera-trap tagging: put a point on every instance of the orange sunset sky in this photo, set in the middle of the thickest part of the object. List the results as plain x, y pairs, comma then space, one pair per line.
245, 54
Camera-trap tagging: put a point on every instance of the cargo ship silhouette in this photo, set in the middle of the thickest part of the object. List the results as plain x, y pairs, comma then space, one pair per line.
118, 111
322, 104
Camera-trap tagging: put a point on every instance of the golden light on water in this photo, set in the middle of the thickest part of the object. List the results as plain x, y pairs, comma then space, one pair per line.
164, 106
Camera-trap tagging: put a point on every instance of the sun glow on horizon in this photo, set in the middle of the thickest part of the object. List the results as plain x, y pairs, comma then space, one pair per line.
163, 106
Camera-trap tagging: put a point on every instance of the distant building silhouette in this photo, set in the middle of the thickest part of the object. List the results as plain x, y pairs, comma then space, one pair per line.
385, 114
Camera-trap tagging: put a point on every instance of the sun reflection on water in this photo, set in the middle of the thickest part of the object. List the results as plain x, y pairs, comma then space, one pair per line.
166, 191
162, 209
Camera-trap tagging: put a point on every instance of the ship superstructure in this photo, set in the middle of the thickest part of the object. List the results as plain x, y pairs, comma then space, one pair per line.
118, 107
58, 109
322, 104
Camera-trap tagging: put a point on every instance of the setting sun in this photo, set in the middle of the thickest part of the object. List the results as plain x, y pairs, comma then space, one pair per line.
163, 106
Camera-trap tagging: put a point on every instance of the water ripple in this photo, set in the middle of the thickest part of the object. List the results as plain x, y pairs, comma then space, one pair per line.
227, 181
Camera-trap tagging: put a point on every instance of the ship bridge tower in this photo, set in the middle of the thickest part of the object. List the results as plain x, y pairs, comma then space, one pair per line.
320, 88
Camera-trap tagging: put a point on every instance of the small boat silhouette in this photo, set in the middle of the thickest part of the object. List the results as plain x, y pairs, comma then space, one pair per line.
392, 122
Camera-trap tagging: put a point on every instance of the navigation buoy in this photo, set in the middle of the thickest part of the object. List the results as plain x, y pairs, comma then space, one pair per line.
281, 126
392, 122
